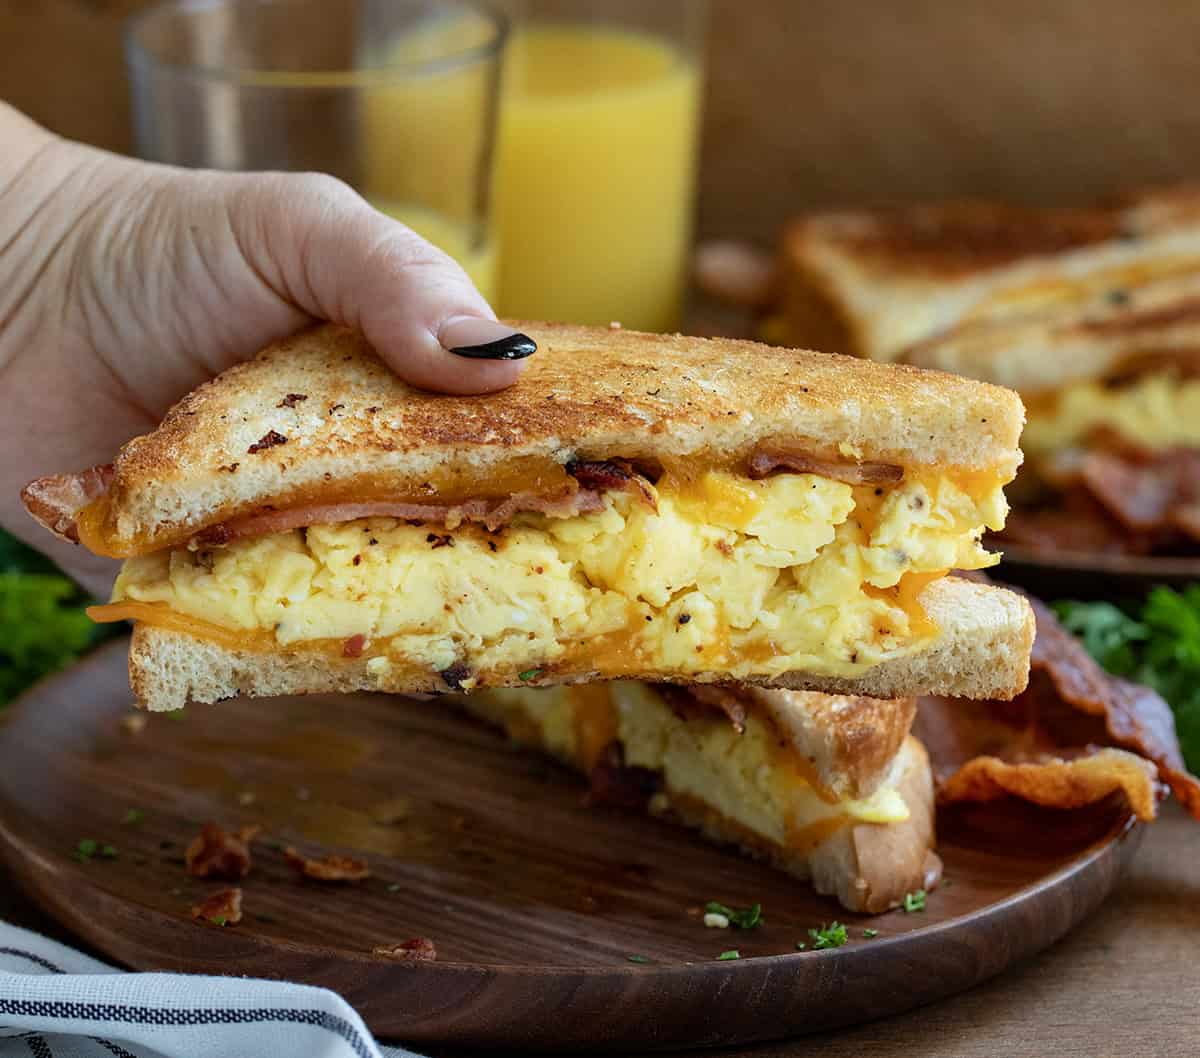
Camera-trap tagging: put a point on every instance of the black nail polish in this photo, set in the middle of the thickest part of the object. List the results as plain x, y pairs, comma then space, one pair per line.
514, 347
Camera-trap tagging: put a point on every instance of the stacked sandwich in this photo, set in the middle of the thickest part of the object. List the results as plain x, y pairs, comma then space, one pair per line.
681, 565
1092, 314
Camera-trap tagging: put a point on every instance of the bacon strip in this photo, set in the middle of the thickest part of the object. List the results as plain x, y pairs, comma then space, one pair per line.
490, 513
55, 502
613, 475
780, 455
1073, 736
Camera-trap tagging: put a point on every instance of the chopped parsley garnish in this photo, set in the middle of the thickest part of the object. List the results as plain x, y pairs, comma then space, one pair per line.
86, 849
218, 920
108, 852
831, 936
637, 958
529, 674
133, 817
869, 933
914, 901
800, 945
725, 956
741, 917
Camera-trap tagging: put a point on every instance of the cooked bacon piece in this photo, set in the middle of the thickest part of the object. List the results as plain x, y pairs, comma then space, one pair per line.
705, 701
491, 514
783, 455
613, 782
56, 501
215, 853
1122, 499
1058, 782
222, 908
613, 475
332, 868
419, 949
1072, 737
354, 646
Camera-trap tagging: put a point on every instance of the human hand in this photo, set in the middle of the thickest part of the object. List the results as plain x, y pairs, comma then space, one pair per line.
125, 285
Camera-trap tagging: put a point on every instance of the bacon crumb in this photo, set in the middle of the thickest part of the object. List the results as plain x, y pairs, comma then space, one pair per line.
332, 868
268, 440
353, 647
419, 949
455, 674
230, 468
215, 853
291, 400
440, 540
222, 908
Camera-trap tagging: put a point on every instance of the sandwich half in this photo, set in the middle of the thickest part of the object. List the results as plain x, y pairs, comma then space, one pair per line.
637, 506
832, 789
1092, 314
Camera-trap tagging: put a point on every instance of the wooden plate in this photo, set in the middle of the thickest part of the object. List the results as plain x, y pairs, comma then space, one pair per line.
535, 902
1075, 575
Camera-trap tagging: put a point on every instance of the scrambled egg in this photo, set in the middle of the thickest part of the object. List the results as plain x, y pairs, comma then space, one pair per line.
746, 778
1158, 411
730, 574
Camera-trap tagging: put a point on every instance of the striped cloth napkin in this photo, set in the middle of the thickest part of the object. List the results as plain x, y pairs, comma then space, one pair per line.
56, 1002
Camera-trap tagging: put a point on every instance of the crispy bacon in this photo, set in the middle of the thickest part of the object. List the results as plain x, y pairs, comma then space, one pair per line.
771, 456
1116, 498
1071, 738
56, 501
613, 475
418, 949
705, 701
491, 514
222, 908
331, 868
215, 853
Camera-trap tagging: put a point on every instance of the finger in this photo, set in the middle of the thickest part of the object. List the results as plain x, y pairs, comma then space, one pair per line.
324, 248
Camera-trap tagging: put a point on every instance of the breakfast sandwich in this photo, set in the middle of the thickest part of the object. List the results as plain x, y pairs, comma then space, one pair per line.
1092, 314
636, 506
830, 788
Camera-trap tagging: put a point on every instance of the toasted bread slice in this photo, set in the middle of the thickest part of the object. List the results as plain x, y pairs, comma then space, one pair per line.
957, 276
766, 770
981, 651
319, 419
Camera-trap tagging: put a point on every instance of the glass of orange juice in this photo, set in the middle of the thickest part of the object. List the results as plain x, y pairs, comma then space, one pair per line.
595, 182
399, 98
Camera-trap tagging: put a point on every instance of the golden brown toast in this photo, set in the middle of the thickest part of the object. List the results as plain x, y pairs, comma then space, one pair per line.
318, 417
941, 285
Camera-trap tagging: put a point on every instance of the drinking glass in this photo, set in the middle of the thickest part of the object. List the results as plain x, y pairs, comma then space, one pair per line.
399, 98
595, 185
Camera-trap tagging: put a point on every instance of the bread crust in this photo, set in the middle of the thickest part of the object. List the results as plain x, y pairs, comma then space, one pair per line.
320, 412
890, 280
982, 652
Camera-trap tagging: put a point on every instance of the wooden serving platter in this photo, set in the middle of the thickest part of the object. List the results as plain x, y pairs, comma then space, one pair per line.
535, 901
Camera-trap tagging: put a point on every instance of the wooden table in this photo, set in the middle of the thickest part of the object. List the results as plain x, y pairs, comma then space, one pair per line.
1123, 984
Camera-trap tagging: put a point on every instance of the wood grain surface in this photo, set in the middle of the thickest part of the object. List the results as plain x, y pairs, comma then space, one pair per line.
534, 900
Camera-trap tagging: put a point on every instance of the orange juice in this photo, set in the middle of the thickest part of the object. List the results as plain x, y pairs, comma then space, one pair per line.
595, 175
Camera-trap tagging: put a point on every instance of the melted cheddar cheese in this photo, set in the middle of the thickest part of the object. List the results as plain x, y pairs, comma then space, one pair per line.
745, 577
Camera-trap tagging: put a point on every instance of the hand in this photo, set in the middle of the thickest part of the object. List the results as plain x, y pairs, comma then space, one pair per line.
125, 285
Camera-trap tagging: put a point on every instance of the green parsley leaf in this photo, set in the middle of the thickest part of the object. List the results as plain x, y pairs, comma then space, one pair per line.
133, 817
86, 849
108, 852
800, 945
869, 933
725, 956
741, 917
218, 920
529, 674
914, 901
832, 936
637, 958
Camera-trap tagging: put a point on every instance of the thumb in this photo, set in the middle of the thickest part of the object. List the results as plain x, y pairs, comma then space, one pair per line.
325, 250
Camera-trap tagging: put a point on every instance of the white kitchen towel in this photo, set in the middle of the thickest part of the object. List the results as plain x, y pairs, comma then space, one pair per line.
59, 1003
